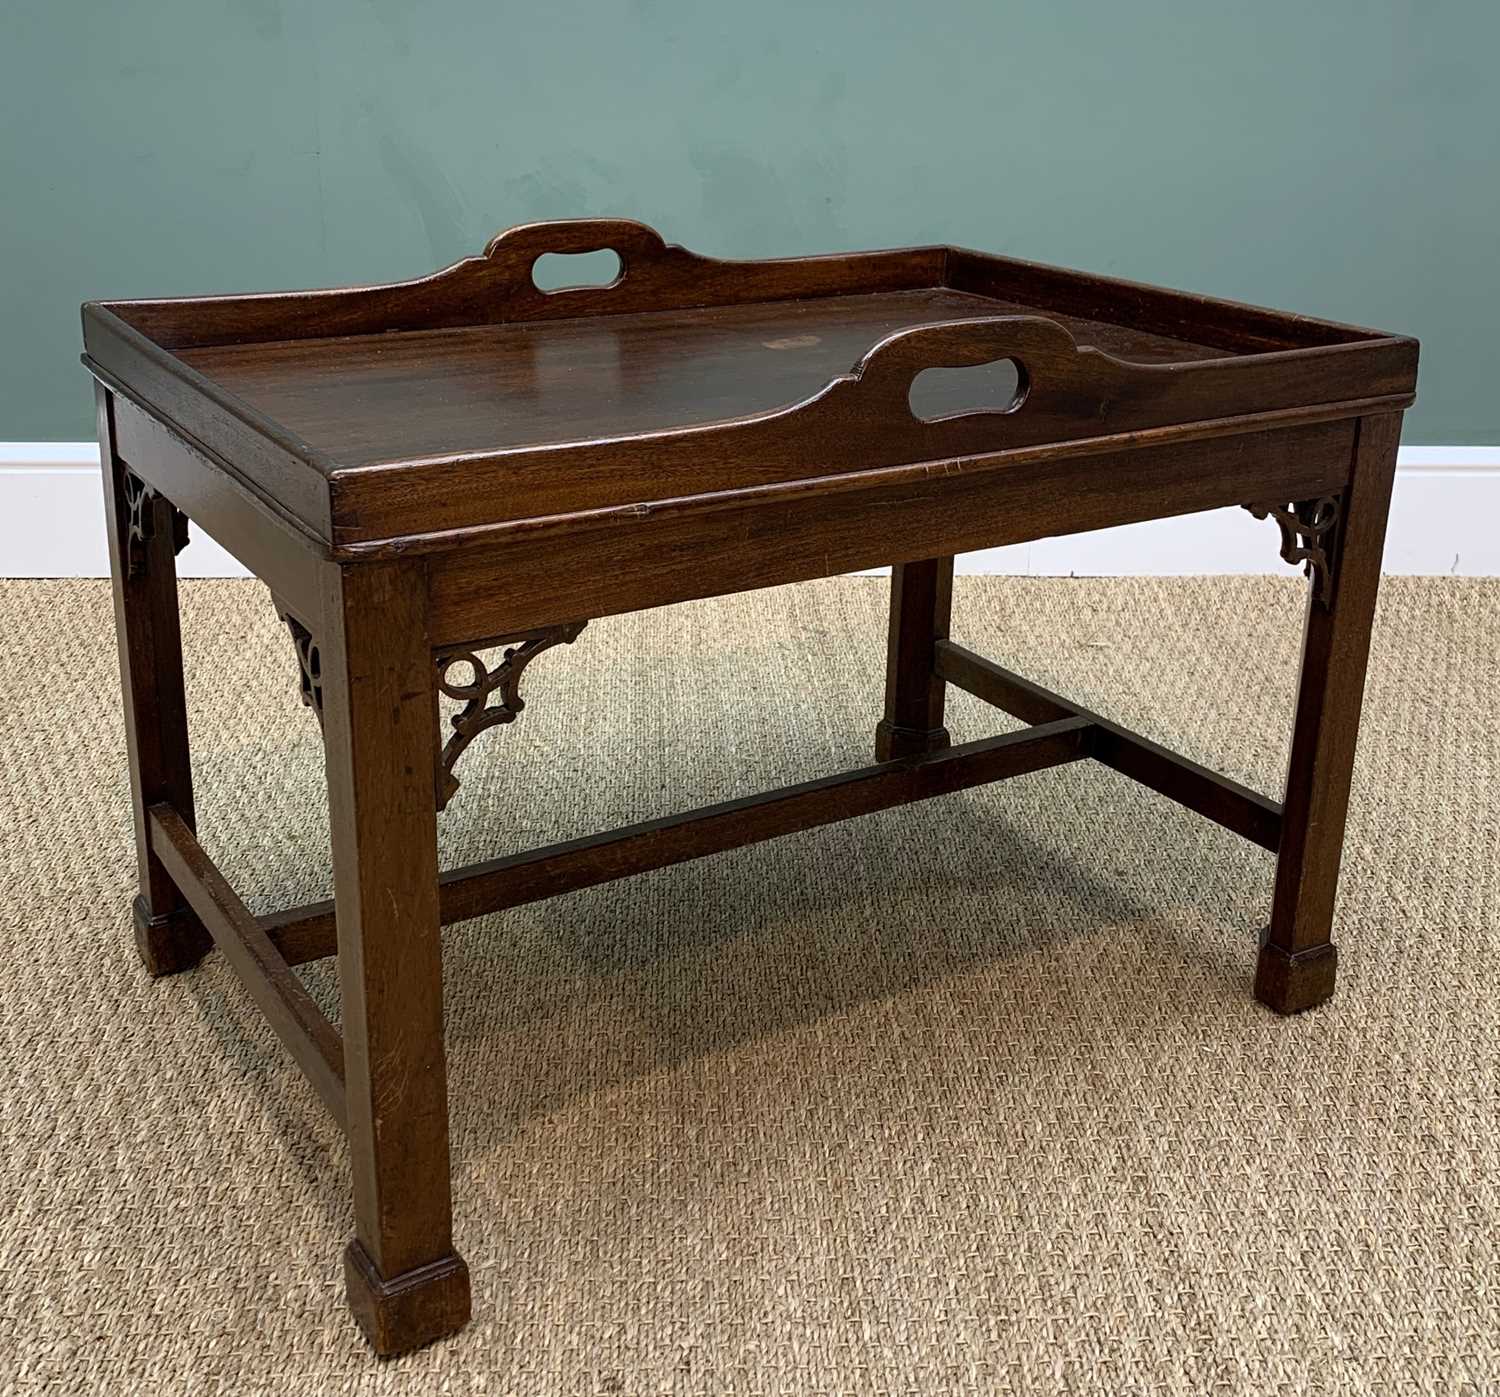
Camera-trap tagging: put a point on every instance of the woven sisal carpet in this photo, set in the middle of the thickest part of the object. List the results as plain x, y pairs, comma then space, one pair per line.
969, 1097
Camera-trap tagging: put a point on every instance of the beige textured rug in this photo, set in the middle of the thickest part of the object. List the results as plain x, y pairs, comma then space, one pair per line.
969, 1097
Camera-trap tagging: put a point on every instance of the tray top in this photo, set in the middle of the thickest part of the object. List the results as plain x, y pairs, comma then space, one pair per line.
403, 414
407, 395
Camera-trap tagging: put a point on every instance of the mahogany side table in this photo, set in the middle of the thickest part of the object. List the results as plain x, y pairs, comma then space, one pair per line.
428, 470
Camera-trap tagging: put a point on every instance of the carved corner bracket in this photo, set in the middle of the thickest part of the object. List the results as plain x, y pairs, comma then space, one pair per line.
1309, 533
138, 522
490, 696
309, 662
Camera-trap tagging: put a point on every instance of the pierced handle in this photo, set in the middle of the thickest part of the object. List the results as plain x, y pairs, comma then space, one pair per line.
633, 243
1032, 342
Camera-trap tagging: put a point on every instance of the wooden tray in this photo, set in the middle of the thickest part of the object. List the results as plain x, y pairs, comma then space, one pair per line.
471, 398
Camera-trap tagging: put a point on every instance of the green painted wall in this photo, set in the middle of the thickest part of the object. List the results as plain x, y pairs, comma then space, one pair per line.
1335, 157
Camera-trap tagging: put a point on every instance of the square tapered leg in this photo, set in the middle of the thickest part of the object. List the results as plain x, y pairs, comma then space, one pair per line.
406, 1284
1298, 962
145, 532
921, 603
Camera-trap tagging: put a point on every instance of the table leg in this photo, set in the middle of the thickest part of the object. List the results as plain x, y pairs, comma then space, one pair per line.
921, 603
406, 1284
1298, 960
143, 537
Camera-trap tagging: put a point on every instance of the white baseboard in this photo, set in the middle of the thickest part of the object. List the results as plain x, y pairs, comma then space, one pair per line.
52, 505
1445, 519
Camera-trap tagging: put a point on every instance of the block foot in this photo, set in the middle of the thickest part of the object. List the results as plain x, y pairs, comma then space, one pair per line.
410, 1310
169, 944
892, 742
1292, 982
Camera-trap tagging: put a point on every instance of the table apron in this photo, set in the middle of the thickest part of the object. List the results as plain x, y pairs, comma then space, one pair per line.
616, 564
279, 552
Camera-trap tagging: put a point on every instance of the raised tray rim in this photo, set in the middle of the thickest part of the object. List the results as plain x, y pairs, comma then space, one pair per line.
335, 500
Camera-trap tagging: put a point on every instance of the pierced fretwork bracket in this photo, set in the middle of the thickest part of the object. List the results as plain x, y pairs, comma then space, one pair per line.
138, 522
309, 662
1309, 531
502, 684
